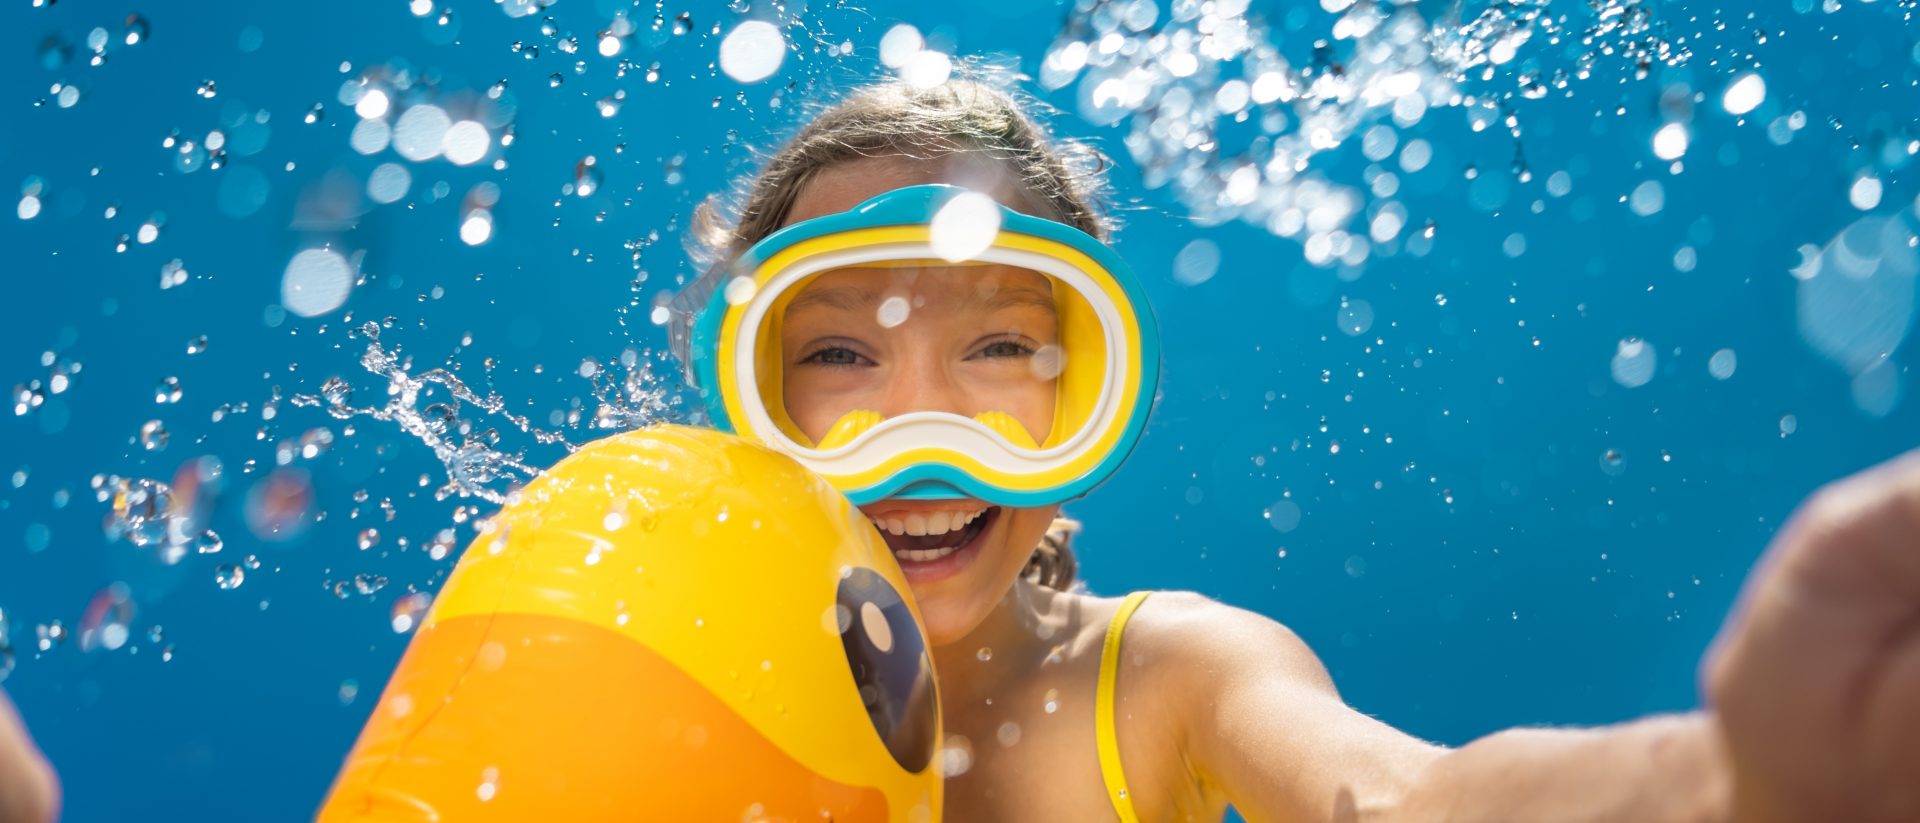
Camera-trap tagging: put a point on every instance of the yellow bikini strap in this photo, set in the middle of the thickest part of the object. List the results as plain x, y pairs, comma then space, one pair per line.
1105, 738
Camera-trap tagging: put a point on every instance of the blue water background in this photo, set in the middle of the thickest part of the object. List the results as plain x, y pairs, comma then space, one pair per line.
1482, 569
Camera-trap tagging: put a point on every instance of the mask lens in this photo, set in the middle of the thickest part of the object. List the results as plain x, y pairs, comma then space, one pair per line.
1020, 351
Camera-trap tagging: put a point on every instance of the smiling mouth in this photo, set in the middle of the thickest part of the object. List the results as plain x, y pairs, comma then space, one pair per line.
924, 548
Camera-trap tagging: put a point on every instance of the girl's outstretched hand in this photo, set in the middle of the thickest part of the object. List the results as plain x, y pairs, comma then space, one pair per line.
1815, 678
28, 792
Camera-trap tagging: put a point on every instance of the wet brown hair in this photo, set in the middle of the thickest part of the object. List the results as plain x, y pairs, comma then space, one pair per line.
977, 117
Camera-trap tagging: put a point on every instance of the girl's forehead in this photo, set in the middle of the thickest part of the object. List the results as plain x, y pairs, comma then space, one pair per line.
988, 286
842, 186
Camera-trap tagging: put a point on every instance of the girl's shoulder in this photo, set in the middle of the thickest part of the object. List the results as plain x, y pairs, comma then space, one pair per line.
1184, 638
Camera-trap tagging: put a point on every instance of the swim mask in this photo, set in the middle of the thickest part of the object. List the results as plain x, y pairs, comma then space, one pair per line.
1103, 368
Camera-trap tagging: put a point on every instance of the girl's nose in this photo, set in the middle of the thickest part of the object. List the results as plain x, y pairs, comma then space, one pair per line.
925, 384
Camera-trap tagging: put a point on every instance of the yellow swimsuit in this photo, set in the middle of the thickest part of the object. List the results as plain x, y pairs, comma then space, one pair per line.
1104, 737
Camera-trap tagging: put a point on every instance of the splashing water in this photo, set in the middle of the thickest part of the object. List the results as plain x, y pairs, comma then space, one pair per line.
142, 509
467, 448
471, 463
1211, 71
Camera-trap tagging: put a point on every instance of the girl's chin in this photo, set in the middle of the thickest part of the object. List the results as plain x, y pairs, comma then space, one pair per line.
945, 630
949, 616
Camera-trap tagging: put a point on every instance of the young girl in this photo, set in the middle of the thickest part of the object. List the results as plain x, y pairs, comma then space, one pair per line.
1059, 704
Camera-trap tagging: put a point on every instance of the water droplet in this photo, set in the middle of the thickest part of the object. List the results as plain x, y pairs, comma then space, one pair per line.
682, 23
229, 576
197, 344
1008, 734
1722, 364
586, 176
1634, 362
368, 583
336, 393
421, 132
409, 610
1670, 142
753, 51
107, 622
137, 30
1052, 703
168, 392
1744, 94
315, 442
153, 436
956, 756
368, 538
317, 281
208, 542
984, 654
466, 142
142, 509
554, 80
964, 226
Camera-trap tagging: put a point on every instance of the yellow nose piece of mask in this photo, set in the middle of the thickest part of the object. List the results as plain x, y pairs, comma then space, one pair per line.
850, 425
1004, 425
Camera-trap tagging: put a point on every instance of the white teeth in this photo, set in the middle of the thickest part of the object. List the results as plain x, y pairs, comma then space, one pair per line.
924, 555
926, 525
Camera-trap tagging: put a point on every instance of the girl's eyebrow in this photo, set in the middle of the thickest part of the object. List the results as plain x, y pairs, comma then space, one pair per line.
1014, 297
844, 298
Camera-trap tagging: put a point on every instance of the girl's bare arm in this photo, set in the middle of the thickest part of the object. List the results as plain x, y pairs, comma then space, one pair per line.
28, 792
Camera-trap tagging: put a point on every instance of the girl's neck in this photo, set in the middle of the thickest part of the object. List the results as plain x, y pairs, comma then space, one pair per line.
1023, 628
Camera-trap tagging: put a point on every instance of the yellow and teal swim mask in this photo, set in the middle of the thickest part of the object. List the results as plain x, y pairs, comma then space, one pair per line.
1103, 367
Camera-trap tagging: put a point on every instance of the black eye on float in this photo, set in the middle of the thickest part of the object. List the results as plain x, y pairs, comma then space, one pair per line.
891, 669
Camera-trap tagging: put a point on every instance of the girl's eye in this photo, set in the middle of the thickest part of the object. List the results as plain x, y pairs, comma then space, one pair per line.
833, 356
1006, 348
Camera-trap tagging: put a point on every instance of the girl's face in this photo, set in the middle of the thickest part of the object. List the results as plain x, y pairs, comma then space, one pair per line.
960, 339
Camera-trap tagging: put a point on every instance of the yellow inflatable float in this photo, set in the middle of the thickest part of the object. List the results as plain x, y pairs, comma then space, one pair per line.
670, 624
